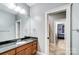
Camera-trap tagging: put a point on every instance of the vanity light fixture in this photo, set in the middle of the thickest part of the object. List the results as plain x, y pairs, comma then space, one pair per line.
15, 8
20, 10
23, 11
10, 5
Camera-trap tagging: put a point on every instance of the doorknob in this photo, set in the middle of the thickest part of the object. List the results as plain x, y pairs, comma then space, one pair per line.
47, 37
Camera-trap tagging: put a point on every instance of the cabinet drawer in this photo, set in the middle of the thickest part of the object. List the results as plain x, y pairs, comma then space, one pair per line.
10, 52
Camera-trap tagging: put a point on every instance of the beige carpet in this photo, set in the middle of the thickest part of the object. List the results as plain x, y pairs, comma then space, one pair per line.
57, 49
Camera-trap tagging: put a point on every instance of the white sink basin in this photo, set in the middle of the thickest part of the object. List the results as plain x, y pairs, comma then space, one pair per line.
21, 42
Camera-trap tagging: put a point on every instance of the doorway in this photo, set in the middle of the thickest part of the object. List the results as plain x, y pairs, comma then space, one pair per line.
57, 39
18, 29
58, 30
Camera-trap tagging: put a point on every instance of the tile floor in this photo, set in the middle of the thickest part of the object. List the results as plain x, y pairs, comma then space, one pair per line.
58, 49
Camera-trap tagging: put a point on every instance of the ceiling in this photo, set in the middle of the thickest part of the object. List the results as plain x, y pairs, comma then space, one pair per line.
31, 4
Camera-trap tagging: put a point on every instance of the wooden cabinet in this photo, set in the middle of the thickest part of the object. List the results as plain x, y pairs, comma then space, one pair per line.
34, 47
21, 53
23, 47
10, 52
20, 48
27, 49
34, 50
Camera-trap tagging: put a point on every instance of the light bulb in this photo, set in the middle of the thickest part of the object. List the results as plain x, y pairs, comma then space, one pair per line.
22, 11
10, 5
17, 9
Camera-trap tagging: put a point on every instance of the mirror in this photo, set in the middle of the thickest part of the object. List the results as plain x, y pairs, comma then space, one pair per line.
10, 13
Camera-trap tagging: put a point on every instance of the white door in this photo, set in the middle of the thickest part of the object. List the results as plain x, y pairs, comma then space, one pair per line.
75, 29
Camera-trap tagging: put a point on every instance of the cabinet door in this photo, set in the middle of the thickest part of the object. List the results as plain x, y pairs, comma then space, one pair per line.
23, 47
34, 49
20, 48
28, 51
21, 52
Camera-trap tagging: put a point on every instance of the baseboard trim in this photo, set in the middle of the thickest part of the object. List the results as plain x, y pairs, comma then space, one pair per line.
41, 53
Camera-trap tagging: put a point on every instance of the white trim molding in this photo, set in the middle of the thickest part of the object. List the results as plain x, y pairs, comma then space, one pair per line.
40, 53
66, 8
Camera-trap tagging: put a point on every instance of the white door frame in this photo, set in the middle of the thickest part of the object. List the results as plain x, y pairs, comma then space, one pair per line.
17, 28
66, 8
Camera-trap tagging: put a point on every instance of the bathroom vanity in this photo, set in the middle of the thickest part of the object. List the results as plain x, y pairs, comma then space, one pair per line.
24, 47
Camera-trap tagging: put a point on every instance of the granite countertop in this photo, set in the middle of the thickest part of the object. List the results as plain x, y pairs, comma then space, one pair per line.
6, 47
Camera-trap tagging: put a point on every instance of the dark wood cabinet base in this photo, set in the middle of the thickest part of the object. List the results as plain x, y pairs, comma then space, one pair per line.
26, 49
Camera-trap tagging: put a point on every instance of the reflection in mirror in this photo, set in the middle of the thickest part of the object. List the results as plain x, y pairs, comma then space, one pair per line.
10, 13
